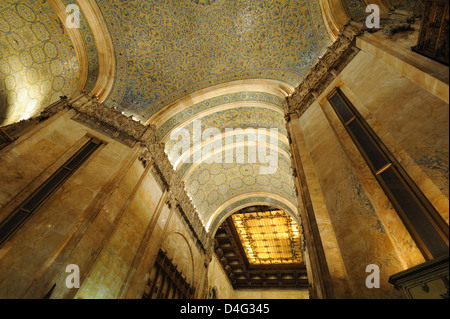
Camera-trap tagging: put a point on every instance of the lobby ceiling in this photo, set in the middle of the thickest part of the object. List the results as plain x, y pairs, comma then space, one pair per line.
227, 64
260, 247
37, 59
269, 238
168, 49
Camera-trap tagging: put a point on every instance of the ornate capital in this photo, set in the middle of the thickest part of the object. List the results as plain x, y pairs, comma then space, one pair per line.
337, 56
171, 200
145, 157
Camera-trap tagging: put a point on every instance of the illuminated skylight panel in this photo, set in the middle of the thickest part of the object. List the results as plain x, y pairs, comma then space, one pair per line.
269, 237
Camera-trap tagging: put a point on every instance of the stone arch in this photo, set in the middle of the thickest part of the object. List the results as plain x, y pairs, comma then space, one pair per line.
217, 219
274, 87
334, 15
105, 48
177, 248
78, 44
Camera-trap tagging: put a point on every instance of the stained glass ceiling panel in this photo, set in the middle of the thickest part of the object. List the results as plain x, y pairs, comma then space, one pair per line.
269, 238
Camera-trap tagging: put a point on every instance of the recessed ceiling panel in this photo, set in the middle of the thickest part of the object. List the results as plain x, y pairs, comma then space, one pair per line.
269, 238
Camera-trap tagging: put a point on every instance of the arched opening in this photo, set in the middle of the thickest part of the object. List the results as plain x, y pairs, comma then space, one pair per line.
260, 247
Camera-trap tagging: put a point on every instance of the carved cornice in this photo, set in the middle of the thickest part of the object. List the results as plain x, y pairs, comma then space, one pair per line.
107, 120
145, 158
337, 56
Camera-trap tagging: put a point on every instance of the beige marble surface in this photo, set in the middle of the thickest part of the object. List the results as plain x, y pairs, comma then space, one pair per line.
358, 231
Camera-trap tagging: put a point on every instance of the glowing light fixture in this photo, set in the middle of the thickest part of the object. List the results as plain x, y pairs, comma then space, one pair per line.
271, 237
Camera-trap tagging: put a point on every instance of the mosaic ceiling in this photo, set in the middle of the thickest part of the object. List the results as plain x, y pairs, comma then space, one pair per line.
164, 51
37, 59
168, 49
218, 180
38, 62
210, 185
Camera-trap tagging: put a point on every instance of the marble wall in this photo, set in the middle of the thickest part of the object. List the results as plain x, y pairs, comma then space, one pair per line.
110, 218
360, 235
357, 224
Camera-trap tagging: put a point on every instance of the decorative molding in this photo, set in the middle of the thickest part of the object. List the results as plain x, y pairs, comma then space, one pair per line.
428, 280
337, 56
397, 21
171, 201
433, 40
159, 177
105, 47
106, 120
334, 16
146, 158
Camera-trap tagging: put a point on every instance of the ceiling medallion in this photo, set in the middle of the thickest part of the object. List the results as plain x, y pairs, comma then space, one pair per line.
204, 2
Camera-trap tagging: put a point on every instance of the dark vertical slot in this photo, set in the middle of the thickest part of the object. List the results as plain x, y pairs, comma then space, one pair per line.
414, 211
426, 226
30, 205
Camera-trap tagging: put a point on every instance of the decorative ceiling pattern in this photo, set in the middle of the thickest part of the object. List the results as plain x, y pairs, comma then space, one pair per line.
356, 9
217, 180
235, 118
269, 238
207, 152
222, 100
168, 49
37, 59
91, 49
211, 185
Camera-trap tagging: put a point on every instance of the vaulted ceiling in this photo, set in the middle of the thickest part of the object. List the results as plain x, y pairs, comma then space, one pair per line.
223, 64
37, 59
168, 49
